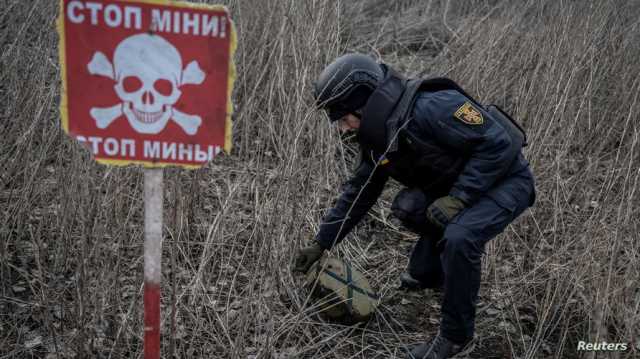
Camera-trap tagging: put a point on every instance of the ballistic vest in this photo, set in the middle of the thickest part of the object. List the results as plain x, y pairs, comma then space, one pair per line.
413, 161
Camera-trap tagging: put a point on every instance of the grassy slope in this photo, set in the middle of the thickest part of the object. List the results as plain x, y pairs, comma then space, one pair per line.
70, 255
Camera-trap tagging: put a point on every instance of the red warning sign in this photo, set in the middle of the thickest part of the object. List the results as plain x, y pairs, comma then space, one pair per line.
147, 82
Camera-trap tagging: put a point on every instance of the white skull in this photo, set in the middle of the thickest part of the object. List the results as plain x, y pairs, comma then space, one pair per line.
148, 72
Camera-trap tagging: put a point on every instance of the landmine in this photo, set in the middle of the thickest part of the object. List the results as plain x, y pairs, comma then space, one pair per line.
342, 293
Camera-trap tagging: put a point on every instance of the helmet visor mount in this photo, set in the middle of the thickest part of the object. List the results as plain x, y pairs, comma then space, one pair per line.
335, 112
355, 99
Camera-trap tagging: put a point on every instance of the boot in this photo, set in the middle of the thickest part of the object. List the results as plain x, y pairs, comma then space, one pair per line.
437, 348
409, 283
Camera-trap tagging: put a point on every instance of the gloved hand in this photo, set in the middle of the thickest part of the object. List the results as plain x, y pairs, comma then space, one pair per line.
443, 209
307, 256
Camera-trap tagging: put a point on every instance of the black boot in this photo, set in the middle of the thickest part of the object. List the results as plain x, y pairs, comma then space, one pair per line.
409, 283
437, 348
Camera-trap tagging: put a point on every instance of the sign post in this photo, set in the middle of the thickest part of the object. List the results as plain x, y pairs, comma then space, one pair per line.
147, 82
153, 184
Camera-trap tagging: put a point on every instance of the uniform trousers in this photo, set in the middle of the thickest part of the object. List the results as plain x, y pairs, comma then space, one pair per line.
451, 259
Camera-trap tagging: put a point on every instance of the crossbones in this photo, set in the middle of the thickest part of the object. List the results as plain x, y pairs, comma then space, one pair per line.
148, 73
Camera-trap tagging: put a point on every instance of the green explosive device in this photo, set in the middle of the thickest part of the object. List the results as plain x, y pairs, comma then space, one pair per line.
342, 292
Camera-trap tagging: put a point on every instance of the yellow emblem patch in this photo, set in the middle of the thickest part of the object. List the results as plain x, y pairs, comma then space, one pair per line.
469, 115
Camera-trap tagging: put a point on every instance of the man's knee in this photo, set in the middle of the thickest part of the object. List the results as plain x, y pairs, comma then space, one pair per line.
409, 206
459, 242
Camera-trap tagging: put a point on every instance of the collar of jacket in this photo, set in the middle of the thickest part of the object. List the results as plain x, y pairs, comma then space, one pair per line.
378, 128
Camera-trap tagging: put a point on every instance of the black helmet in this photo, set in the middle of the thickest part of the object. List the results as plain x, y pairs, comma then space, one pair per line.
345, 85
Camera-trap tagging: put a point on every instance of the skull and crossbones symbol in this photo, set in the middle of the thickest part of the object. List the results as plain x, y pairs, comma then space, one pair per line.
148, 73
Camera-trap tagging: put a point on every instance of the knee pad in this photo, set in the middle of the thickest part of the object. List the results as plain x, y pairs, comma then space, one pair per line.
410, 206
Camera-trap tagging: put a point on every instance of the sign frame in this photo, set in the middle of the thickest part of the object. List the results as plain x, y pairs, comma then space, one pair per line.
231, 77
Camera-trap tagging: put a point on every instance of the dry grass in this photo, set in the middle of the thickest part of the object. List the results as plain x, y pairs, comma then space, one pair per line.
567, 270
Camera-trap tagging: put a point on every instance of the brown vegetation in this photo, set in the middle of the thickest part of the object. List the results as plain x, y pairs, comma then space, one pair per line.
567, 270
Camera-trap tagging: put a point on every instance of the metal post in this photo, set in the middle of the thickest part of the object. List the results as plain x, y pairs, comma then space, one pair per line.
153, 183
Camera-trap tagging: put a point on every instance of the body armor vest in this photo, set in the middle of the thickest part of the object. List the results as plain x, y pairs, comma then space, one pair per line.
413, 161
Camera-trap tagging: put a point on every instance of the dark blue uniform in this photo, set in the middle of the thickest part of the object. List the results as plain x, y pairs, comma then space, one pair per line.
447, 146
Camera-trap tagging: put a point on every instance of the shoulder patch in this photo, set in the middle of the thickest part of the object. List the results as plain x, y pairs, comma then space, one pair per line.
469, 115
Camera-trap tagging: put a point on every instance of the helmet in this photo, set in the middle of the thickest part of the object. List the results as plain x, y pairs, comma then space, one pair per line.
345, 85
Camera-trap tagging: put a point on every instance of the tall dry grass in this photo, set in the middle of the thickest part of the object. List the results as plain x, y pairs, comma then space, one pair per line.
567, 270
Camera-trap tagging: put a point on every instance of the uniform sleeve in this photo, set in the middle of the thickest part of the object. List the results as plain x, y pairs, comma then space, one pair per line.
359, 194
466, 129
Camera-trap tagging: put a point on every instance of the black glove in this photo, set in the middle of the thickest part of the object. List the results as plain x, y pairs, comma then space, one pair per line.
443, 209
307, 256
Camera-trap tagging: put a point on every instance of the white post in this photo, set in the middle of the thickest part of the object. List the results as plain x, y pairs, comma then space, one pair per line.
153, 198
